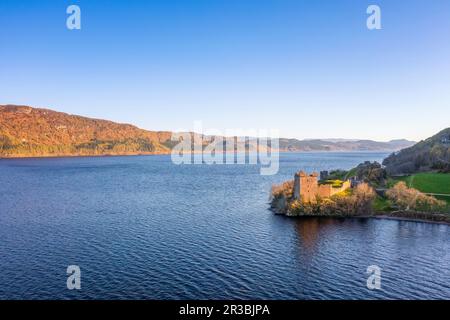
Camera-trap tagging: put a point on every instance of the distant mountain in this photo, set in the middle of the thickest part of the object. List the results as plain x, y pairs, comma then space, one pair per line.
342, 145
35, 132
430, 154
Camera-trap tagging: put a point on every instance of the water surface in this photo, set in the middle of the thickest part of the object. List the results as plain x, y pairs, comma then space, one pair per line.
143, 228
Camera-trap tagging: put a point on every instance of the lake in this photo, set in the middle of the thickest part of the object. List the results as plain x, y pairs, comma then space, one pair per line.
141, 227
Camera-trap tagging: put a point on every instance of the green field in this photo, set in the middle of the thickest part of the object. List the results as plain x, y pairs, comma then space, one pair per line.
429, 182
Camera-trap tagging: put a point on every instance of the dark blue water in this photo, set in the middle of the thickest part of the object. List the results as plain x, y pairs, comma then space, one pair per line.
143, 228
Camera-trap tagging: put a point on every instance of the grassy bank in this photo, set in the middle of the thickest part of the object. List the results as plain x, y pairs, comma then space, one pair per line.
428, 182
437, 184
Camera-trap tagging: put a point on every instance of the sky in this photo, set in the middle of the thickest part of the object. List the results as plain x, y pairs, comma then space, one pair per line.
309, 69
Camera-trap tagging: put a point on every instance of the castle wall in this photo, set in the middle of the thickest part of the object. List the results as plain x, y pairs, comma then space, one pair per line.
327, 190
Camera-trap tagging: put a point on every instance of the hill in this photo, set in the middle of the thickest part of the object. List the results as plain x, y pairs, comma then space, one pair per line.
26, 132
36, 132
430, 154
342, 145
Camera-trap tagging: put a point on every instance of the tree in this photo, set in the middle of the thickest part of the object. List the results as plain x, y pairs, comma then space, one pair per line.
285, 189
364, 195
412, 199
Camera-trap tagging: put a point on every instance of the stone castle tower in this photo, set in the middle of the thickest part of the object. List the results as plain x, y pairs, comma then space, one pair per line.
306, 186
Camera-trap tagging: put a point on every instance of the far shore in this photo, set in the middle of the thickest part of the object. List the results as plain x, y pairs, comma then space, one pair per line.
169, 152
84, 155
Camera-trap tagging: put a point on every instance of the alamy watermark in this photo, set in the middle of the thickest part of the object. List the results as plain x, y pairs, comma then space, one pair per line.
374, 279
73, 21
233, 146
374, 20
74, 277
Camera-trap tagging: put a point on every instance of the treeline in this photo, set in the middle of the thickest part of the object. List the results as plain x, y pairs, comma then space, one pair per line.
95, 147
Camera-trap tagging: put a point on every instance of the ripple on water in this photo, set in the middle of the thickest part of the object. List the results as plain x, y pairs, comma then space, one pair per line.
142, 228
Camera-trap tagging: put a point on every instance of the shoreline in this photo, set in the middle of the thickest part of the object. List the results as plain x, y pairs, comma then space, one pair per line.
86, 156
384, 215
169, 152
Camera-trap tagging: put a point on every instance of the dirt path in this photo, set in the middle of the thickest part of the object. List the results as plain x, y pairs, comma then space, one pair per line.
438, 194
411, 180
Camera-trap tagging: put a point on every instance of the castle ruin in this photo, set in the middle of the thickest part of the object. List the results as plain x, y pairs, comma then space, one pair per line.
307, 187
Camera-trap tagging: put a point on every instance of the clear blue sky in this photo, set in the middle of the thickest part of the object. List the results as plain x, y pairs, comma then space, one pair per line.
308, 68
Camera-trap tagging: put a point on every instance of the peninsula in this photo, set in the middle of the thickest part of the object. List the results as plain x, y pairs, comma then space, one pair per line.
413, 183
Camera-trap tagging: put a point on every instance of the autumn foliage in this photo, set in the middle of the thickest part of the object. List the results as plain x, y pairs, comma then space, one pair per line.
285, 189
357, 201
410, 199
26, 131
